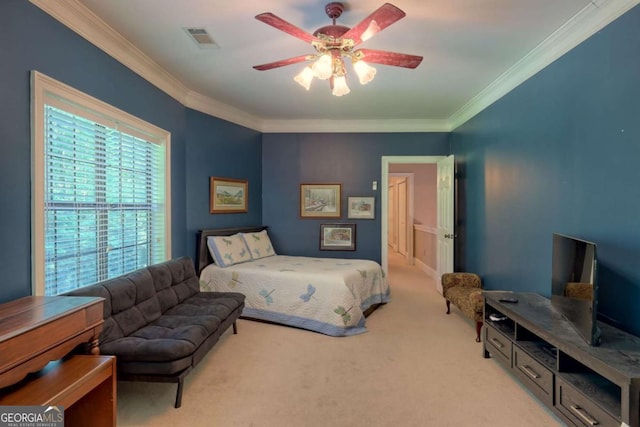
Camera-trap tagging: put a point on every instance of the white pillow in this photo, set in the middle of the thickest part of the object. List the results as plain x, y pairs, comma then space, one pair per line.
259, 244
228, 250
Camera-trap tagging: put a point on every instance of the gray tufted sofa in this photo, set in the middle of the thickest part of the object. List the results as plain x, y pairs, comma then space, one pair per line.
157, 322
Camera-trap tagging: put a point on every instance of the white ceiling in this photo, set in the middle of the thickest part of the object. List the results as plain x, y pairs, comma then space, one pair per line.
474, 51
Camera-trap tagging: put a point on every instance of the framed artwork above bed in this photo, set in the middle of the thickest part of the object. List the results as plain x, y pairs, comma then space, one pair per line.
337, 237
320, 200
361, 208
228, 195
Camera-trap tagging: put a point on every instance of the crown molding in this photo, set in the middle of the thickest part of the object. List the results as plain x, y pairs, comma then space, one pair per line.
80, 19
592, 18
355, 126
214, 108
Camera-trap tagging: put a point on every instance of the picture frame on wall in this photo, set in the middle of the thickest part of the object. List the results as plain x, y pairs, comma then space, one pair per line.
228, 195
320, 200
337, 237
361, 207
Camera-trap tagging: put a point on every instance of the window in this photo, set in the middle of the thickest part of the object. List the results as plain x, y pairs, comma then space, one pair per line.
100, 190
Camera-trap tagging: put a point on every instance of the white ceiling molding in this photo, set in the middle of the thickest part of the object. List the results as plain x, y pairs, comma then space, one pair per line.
78, 18
84, 22
587, 22
222, 111
353, 126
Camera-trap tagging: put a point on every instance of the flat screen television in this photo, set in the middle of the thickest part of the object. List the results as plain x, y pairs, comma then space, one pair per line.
574, 284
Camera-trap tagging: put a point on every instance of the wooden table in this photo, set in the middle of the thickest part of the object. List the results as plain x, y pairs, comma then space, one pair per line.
37, 330
84, 385
38, 364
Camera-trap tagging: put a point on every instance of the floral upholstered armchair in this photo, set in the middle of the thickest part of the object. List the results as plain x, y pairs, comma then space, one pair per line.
464, 290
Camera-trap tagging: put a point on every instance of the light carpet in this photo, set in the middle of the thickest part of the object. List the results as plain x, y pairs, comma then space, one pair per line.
416, 366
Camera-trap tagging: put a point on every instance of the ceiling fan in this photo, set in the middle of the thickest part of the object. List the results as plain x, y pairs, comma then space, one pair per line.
335, 42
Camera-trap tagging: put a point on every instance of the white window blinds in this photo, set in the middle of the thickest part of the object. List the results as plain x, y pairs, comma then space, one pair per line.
104, 201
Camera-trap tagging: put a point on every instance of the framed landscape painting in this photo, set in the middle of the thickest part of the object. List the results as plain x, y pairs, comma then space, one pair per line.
320, 200
337, 237
228, 195
361, 207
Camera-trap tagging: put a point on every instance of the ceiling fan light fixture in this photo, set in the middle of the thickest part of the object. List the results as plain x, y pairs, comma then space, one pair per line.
365, 72
340, 86
305, 77
323, 67
334, 42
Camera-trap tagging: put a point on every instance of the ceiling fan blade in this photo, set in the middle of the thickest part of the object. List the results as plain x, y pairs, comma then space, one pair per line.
389, 58
282, 25
283, 62
380, 19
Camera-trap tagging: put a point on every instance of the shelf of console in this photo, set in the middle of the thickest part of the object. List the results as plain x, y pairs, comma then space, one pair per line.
583, 385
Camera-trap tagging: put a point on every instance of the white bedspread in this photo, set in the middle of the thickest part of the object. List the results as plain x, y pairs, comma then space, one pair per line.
326, 295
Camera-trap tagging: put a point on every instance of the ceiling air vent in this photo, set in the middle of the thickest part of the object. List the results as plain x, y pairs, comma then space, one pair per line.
201, 38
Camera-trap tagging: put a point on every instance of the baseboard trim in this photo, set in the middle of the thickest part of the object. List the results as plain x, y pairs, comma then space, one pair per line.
424, 267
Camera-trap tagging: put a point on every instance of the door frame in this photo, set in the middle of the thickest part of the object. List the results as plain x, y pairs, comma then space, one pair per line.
384, 198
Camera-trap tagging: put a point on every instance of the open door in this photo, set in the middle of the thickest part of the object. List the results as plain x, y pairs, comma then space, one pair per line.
446, 232
385, 232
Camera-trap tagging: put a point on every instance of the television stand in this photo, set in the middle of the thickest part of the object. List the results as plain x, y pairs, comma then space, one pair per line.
581, 384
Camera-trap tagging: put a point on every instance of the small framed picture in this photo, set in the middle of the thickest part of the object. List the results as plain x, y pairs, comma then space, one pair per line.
361, 207
320, 200
227, 195
337, 237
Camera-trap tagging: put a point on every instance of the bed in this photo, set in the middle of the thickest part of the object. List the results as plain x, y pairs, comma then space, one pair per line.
328, 295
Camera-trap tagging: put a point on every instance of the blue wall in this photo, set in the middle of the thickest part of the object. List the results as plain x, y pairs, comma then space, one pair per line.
560, 154
219, 148
32, 40
353, 160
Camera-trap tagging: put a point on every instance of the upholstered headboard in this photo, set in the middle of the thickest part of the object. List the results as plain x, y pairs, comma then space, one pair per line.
202, 251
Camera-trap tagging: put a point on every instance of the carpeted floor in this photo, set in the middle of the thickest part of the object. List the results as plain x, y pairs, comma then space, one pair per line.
415, 366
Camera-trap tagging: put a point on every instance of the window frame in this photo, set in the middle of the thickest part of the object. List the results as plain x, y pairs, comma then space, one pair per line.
44, 87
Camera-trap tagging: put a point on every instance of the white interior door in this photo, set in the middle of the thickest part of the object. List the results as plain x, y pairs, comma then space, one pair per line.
446, 232
402, 216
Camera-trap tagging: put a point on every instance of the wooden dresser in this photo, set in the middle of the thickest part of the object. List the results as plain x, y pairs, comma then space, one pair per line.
37, 337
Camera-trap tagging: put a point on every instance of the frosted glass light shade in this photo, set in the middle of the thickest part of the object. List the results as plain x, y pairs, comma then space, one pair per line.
340, 86
304, 78
365, 72
322, 68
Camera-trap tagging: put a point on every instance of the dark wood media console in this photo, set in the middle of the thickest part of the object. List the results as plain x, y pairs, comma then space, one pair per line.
583, 385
